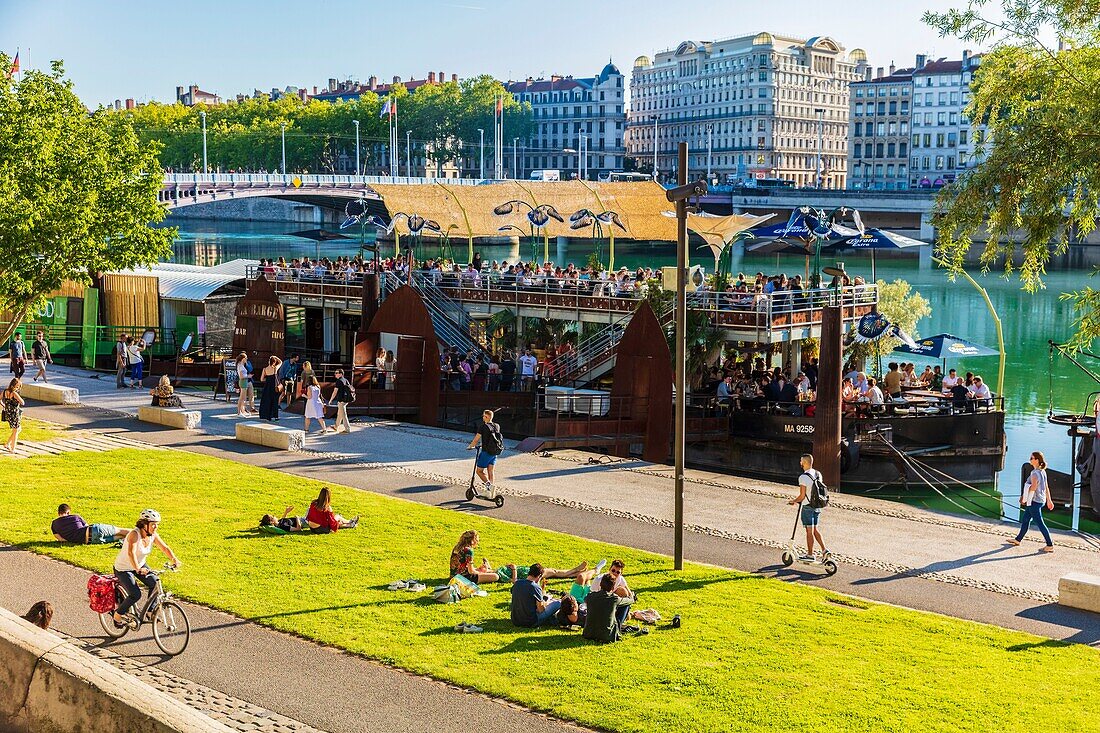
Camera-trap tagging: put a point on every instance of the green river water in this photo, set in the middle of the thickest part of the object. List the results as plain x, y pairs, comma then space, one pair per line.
1028, 320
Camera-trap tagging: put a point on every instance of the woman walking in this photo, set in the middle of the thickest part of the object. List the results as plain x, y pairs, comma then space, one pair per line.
244, 385
1035, 496
315, 408
12, 405
269, 395
304, 378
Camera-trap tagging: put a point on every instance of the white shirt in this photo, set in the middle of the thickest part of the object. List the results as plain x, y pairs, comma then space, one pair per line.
527, 365
806, 480
981, 392
242, 372
874, 394
949, 382
620, 583
142, 550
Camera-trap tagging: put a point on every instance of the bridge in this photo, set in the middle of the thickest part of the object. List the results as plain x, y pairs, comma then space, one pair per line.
900, 209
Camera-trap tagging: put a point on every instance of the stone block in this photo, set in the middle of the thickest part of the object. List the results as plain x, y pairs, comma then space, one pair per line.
271, 436
172, 417
55, 394
1080, 590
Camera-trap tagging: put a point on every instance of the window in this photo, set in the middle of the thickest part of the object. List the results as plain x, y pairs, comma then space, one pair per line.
940, 162
951, 139
893, 108
859, 108
916, 141
904, 107
879, 150
903, 151
939, 140
962, 137
941, 118
857, 151
859, 129
891, 150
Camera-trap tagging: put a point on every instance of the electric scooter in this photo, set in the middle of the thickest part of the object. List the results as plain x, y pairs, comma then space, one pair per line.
791, 553
475, 491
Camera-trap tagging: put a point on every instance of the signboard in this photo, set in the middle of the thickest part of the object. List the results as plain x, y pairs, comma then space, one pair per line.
232, 386
260, 327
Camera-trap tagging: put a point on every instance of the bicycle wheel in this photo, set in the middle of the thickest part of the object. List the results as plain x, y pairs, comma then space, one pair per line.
106, 620
171, 630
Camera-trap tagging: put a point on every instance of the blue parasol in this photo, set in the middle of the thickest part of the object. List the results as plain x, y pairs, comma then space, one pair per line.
946, 346
874, 239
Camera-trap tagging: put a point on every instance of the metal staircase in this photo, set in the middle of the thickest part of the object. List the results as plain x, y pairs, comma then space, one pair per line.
594, 356
450, 319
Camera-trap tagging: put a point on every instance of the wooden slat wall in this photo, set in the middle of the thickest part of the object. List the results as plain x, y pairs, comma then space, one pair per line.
68, 289
131, 301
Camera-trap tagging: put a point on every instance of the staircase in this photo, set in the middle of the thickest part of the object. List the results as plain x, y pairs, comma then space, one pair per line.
594, 356
450, 319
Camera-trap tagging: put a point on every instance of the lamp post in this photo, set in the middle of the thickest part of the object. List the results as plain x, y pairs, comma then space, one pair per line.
408, 152
283, 131
205, 170
820, 134
356, 146
481, 131
587, 217
445, 242
515, 159
710, 147
583, 167
655, 118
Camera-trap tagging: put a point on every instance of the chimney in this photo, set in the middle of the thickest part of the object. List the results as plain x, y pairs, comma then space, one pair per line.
454, 77
442, 77
431, 77
397, 80
315, 90
878, 73
372, 83
118, 104
194, 92
331, 84
922, 60
179, 93
867, 74
892, 68
966, 58
129, 103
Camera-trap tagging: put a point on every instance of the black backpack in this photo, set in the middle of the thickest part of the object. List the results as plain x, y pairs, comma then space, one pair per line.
818, 495
494, 442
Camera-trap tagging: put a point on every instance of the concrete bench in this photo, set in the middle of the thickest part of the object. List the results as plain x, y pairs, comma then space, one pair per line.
271, 436
172, 417
1080, 590
55, 394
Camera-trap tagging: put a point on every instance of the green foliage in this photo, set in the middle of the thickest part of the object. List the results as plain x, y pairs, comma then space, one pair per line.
78, 192
443, 118
593, 262
749, 658
902, 307
702, 340
1040, 179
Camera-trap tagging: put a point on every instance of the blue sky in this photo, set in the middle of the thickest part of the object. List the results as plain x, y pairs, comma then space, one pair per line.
143, 49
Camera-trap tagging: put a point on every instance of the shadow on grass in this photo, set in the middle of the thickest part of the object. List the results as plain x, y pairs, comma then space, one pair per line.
547, 639
1028, 646
676, 585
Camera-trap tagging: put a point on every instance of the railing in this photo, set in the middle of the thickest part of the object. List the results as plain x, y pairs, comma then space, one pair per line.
861, 409
304, 180
450, 320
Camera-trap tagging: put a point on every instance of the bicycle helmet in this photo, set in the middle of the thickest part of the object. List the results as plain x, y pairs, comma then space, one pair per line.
150, 515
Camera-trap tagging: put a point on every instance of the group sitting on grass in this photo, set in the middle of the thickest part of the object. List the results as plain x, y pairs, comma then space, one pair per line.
319, 519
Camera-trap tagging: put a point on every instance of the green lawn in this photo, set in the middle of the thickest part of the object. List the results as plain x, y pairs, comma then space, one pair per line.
754, 654
36, 431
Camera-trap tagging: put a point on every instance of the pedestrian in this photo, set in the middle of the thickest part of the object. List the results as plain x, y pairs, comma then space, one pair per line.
122, 363
492, 445
1035, 496
12, 404
134, 347
315, 408
17, 355
244, 385
810, 515
343, 394
269, 386
391, 370
527, 367
288, 370
41, 353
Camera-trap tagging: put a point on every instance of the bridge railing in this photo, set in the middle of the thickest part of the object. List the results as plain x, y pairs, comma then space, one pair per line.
273, 180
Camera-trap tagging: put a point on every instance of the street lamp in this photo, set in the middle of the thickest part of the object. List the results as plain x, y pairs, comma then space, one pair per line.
481, 131
655, 118
408, 152
416, 224
283, 128
530, 235
710, 141
356, 146
587, 217
205, 170
820, 134
572, 151
515, 159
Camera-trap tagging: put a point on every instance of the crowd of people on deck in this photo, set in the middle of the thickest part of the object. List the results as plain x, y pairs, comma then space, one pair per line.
749, 385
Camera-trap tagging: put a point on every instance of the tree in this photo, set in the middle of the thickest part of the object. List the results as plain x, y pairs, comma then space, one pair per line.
78, 192
903, 308
1040, 179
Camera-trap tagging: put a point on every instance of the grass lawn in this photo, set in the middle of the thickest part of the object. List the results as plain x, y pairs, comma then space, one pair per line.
754, 654
35, 431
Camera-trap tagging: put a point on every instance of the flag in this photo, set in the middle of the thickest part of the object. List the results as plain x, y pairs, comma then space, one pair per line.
385, 109
14, 66
500, 106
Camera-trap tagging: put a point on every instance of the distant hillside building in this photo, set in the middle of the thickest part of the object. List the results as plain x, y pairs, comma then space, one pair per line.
192, 95
571, 114
337, 91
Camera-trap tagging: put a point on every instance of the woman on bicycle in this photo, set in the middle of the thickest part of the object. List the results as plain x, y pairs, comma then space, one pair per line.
130, 564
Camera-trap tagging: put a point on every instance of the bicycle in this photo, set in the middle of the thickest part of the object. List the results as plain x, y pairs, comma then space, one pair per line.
171, 629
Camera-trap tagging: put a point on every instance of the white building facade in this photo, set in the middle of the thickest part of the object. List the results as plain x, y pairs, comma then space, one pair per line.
753, 107
944, 140
579, 124
878, 145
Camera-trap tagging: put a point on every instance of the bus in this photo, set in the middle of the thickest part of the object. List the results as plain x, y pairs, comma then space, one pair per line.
768, 183
622, 177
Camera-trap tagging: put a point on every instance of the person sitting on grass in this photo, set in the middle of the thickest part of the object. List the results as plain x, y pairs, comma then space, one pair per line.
605, 608
285, 523
571, 612
462, 560
69, 527
530, 605
321, 518
620, 588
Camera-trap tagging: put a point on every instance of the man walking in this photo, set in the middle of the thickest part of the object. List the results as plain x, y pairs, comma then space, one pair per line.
41, 353
527, 364
286, 375
122, 361
18, 356
343, 394
810, 515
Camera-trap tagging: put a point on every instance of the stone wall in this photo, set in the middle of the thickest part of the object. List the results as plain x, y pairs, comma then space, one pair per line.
254, 209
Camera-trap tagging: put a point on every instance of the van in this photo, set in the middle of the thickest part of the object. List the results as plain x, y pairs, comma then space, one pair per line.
545, 175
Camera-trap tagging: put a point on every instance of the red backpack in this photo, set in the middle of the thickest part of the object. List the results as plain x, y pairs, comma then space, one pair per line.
101, 593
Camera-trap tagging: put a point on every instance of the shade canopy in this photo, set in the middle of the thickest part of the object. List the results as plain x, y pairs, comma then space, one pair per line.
874, 239
947, 346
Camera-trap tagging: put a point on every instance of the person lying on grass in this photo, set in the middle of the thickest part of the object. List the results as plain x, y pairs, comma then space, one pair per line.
285, 523
321, 518
69, 527
462, 561
571, 613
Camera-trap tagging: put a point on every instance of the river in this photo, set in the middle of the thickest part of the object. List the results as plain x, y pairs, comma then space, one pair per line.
1028, 320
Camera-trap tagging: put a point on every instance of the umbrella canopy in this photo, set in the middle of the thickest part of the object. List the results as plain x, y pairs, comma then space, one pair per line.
945, 346
873, 239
